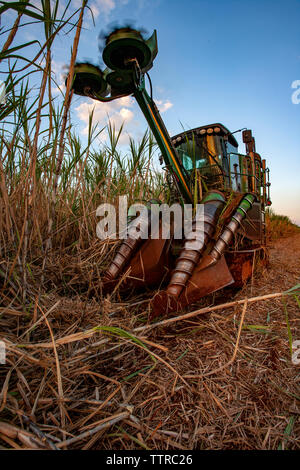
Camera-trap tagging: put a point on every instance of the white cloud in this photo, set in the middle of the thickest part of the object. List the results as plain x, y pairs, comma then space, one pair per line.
97, 6
95, 10
163, 105
117, 112
104, 7
59, 75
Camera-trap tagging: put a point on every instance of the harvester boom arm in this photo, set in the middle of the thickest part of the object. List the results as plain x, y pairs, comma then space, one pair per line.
157, 126
128, 57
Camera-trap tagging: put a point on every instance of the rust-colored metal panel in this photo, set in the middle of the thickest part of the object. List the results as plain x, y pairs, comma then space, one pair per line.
241, 263
209, 276
151, 263
148, 266
207, 279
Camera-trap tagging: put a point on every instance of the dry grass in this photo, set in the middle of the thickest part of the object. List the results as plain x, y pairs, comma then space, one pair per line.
222, 380
279, 226
80, 370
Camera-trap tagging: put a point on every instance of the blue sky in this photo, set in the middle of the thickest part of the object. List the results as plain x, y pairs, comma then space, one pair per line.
224, 61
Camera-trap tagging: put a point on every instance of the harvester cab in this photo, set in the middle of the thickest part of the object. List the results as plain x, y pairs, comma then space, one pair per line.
204, 169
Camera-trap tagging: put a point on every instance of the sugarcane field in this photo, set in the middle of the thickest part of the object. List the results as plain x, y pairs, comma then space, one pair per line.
150, 228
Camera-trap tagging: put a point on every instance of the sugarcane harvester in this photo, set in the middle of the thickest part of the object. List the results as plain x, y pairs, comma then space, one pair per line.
203, 166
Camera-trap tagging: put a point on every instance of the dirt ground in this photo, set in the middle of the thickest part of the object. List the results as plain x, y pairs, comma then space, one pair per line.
223, 380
